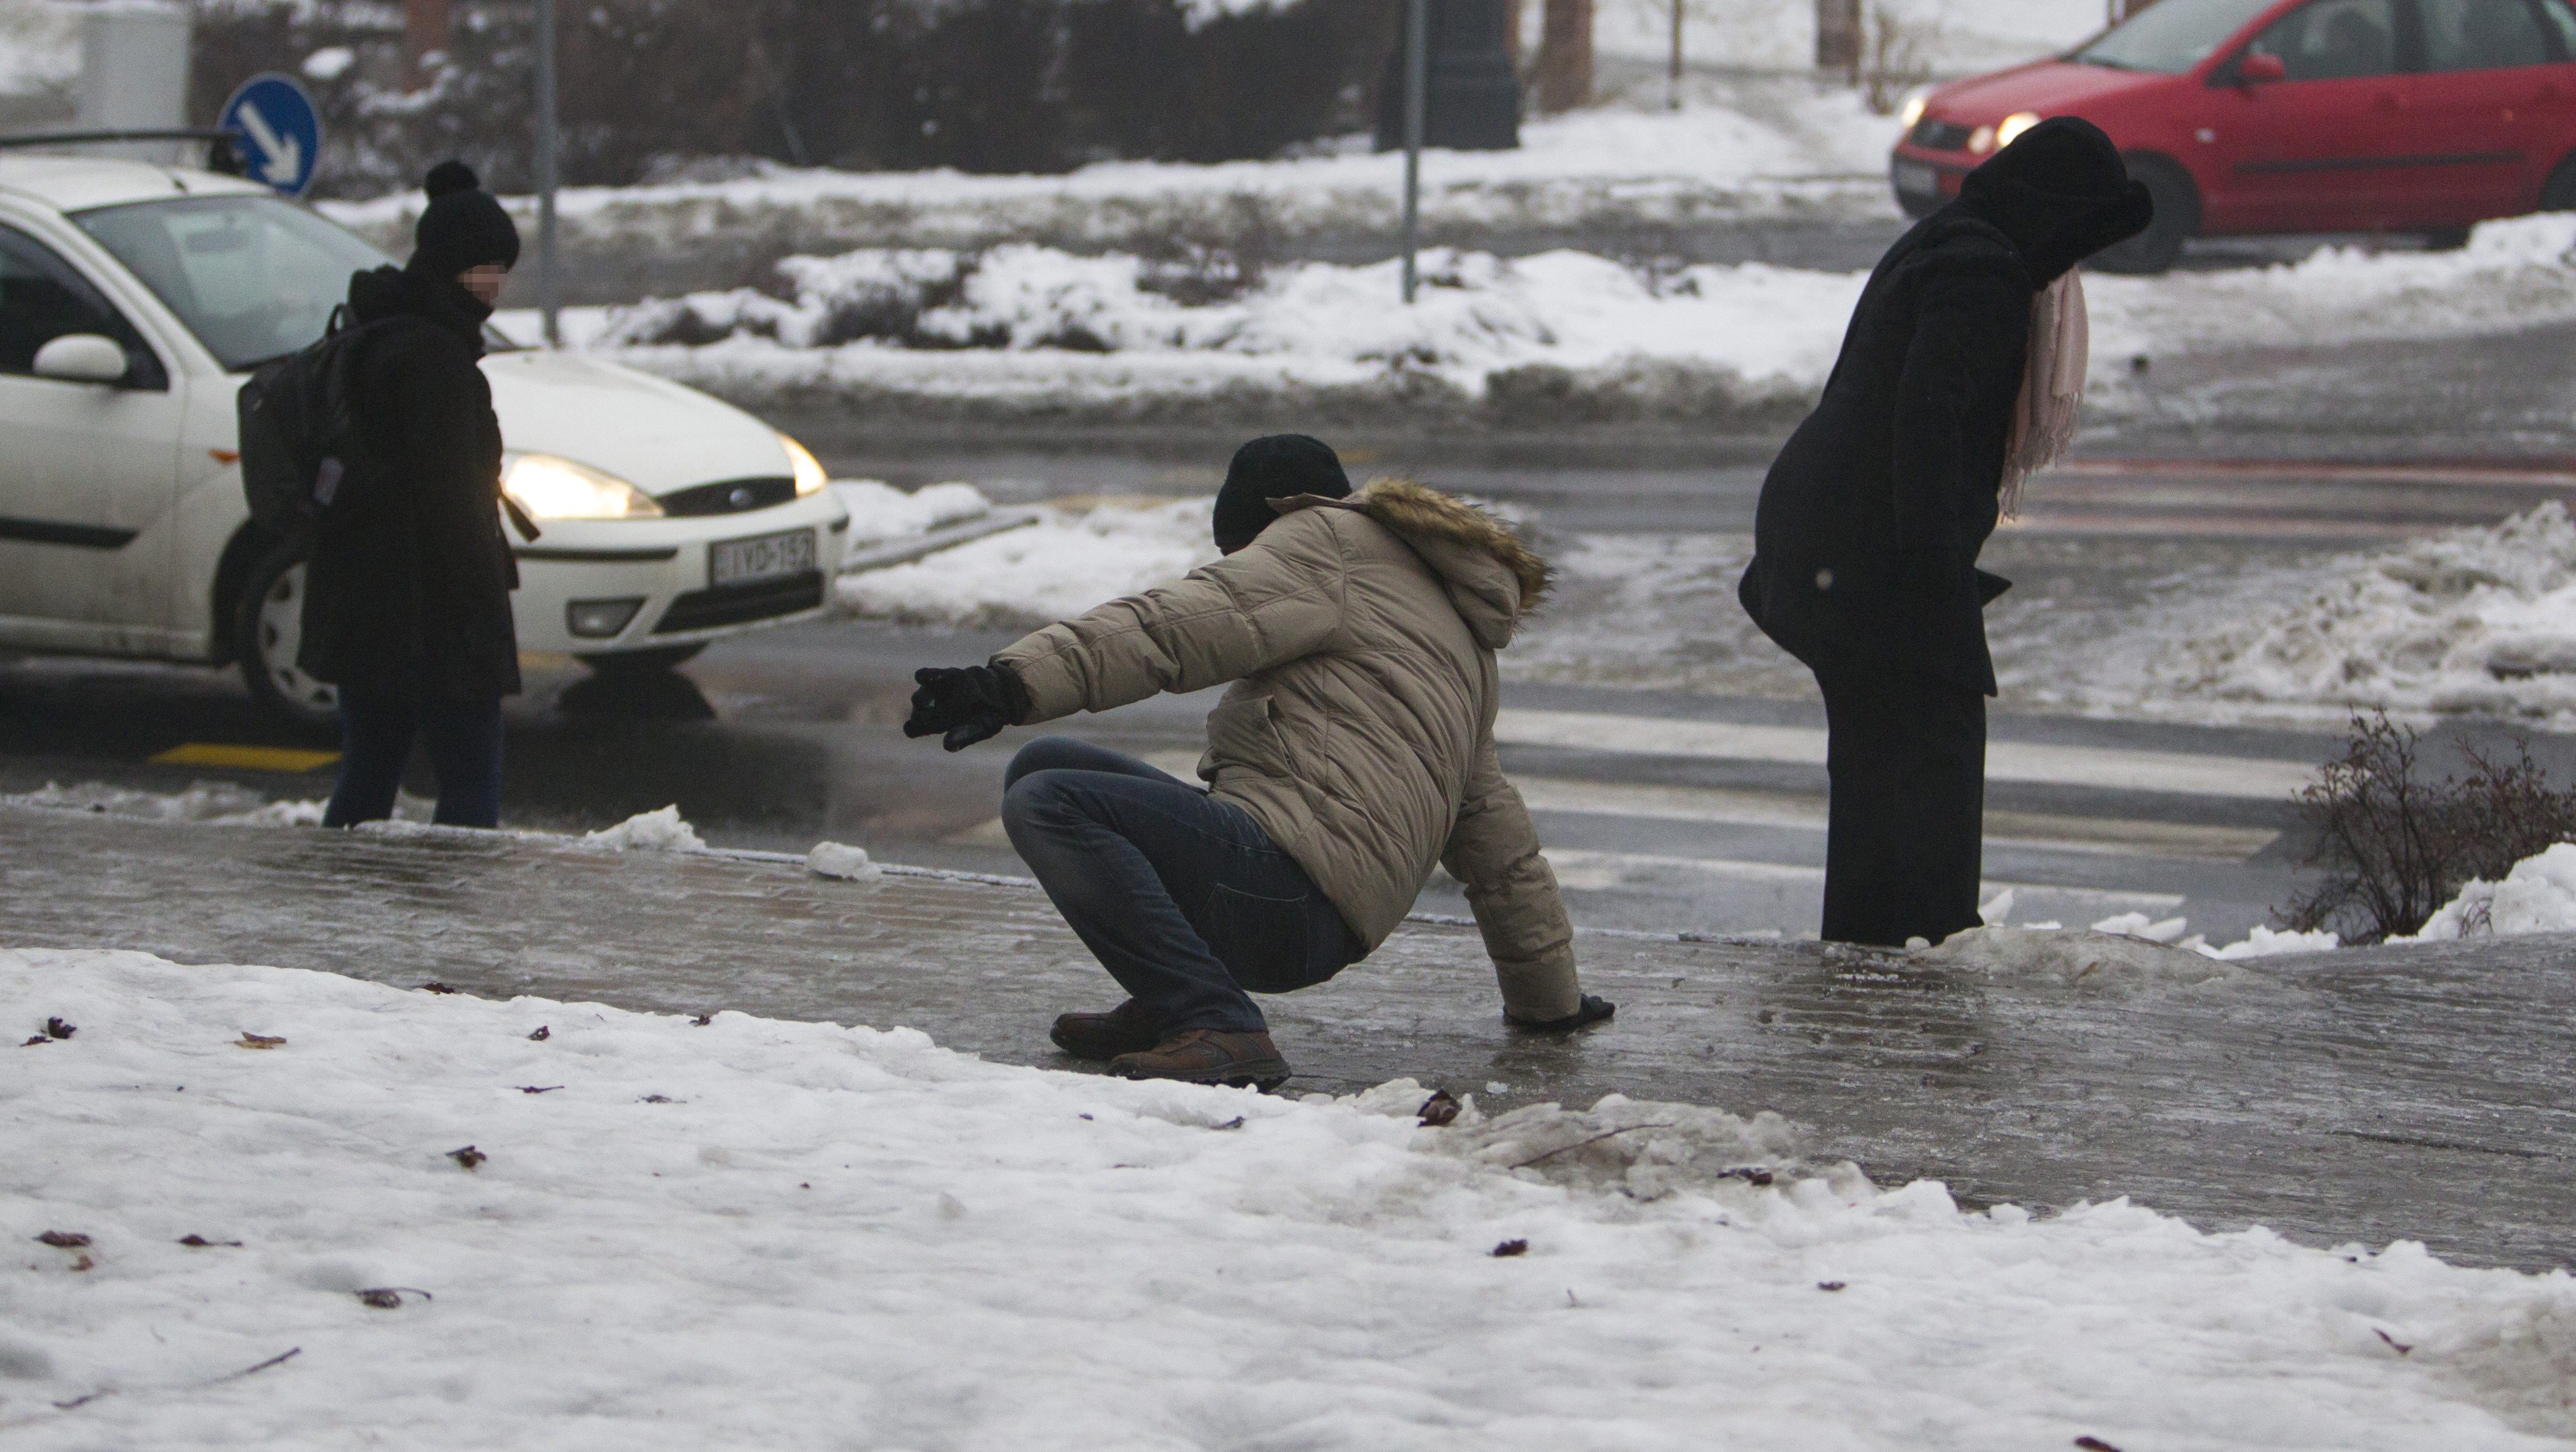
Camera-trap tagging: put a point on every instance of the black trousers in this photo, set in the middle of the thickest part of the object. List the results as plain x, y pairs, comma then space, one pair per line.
1905, 827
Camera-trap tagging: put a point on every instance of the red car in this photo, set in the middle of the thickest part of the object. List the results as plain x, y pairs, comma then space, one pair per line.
2253, 116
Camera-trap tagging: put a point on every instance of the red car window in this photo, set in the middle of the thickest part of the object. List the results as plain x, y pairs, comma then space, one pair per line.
2482, 35
2334, 40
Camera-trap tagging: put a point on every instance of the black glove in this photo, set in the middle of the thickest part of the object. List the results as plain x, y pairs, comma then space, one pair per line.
1591, 1011
964, 705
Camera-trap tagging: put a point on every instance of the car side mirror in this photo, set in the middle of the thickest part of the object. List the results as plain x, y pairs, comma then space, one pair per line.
83, 358
2260, 68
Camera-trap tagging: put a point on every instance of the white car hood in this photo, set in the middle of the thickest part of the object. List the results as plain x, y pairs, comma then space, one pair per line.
654, 434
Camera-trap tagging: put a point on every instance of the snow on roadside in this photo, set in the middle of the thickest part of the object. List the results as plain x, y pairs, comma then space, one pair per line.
1037, 322
1948, 37
219, 802
881, 512
2478, 619
661, 830
801, 1235
2537, 896
1079, 554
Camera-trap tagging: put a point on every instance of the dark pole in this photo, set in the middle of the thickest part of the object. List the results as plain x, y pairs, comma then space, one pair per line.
1417, 68
1673, 80
549, 147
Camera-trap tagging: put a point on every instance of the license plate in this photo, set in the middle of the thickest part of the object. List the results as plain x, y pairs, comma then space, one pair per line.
762, 557
1914, 177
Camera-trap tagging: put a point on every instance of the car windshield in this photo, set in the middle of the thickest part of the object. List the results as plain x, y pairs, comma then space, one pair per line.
253, 277
2172, 36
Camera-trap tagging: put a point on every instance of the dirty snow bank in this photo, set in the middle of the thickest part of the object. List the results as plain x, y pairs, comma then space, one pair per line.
800, 1235
881, 512
1028, 324
2478, 619
1079, 554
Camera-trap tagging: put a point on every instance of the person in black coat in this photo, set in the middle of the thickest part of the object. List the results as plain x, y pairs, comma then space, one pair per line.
407, 597
1870, 521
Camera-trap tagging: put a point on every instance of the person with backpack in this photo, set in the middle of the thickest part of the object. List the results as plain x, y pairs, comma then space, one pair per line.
1961, 373
1353, 753
407, 594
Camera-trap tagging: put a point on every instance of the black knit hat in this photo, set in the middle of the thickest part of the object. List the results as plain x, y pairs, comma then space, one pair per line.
463, 226
2062, 193
1280, 466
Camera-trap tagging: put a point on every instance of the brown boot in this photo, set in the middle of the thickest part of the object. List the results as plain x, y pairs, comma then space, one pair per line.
1126, 1029
1208, 1056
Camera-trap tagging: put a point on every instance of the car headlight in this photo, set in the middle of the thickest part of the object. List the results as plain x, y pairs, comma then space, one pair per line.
1912, 111
2009, 130
552, 488
1981, 140
810, 475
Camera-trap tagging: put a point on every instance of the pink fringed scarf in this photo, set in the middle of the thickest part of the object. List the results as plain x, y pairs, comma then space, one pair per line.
2052, 385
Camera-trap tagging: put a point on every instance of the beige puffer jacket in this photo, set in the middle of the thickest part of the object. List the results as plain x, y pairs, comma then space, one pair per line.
1360, 636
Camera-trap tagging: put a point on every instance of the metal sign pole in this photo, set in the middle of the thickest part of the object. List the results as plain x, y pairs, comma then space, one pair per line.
549, 147
1417, 75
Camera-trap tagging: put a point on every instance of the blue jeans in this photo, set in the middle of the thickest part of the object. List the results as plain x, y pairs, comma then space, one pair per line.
376, 734
1181, 896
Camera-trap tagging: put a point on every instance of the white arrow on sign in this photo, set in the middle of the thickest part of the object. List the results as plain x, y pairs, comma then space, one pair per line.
285, 154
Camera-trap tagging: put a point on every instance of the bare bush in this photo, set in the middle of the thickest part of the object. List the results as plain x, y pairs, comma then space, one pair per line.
2396, 846
1896, 59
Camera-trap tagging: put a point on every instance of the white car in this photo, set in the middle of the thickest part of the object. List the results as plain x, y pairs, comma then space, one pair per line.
134, 299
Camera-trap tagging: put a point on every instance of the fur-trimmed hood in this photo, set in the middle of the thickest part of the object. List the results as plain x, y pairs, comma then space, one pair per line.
1494, 579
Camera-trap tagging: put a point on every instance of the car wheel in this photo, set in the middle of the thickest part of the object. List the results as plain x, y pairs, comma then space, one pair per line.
2177, 221
2558, 194
642, 662
268, 625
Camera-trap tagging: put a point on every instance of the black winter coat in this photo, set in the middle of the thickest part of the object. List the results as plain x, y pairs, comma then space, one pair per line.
409, 586
1865, 542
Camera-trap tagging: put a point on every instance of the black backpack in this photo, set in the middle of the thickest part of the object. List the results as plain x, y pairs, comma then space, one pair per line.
300, 440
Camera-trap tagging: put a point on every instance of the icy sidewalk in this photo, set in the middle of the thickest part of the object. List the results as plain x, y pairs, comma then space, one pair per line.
267, 1208
2368, 1096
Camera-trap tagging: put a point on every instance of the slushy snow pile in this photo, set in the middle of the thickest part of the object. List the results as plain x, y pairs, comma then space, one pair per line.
2472, 620
219, 802
2537, 896
1076, 556
880, 512
1029, 322
788, 1235
660, 830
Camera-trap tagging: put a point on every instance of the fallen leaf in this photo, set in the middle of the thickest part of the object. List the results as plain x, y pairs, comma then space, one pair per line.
63, 1239
250, 1040
84, 1263
1234, 1123
389, 1298
34, 1042
1441, 1108
57, 1029
702, 1020
434, 986
1751, 1174
199, 1242
1511, 1248
2400, 1347
655, 1099
542, 1034
539, 1088
469, 1156
2095, 1444
1829, 1285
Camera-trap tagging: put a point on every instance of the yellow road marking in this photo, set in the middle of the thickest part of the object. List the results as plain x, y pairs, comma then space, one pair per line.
246, 758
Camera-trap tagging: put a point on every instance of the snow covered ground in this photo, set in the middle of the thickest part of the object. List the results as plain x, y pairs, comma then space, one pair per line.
286, 1210
39, 46
1944, 37
1033, 325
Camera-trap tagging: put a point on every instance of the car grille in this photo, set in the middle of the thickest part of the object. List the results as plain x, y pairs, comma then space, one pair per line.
733, 496
735, 604
1934, 135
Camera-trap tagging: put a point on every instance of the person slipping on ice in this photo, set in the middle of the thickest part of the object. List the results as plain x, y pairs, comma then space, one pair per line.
1961, 373
1354, 750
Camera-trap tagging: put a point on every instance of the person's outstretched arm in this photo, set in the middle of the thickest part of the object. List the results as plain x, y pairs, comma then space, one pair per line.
1267, 604
1512, 891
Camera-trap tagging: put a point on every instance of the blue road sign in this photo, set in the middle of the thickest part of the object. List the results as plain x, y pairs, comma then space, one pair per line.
280, 131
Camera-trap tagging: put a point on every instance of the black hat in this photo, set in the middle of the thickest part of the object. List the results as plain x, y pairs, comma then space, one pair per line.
463, 226
2062, 193
1280, 466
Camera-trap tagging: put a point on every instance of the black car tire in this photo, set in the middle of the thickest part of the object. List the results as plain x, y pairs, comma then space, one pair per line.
2558, 194
2177, 221
267, 626
642, 662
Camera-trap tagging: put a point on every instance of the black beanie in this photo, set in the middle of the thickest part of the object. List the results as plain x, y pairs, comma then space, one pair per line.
1280, 466
463, 226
